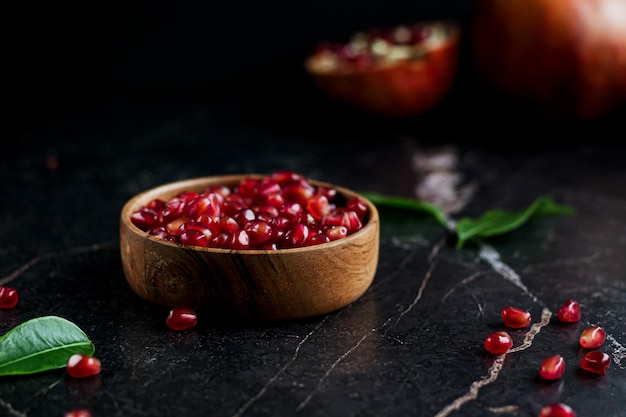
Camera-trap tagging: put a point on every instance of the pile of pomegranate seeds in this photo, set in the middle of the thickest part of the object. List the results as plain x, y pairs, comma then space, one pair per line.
8, 297
83, 366
365, 49
282, 210
181, 319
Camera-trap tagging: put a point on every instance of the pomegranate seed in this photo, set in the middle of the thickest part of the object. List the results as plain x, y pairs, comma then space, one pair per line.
180, 318
498, 342
193, 237
145, 218
82, 366
552, 367
557, 410
596, 362
258, 231
336, 232
79, 412
515, 318
358, 205
569, 311
8, 297
296, 236
592, 337
318, 206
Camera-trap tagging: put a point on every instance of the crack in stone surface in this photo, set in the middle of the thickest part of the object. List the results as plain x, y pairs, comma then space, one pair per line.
274, 377
492, 257
496, 367
50, 255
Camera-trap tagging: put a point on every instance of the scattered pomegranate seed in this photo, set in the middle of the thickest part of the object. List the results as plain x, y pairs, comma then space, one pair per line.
498, 342
293, 213
79, 412
82, 366
181, 318
552, 367
515, 318
596, 362
557, 410
569, 311
592, 337
8, 297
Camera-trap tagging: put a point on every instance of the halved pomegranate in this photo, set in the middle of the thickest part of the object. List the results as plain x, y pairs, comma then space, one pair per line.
402, 71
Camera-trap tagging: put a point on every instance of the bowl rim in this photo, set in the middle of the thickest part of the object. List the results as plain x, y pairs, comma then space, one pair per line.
181, 185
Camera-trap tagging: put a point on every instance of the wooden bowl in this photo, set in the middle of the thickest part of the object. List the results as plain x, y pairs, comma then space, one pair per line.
281, 284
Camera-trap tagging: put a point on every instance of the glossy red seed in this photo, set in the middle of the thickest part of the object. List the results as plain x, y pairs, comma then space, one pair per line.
180, 318
145, 218
498, 342
79, 412
318, 206
8, 297
569, 311
515, 318
83, 366
552, 367
592, 337
596, 362
557, 410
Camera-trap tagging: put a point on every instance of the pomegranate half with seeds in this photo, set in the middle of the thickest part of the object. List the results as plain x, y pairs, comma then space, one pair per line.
400, 71
251, 247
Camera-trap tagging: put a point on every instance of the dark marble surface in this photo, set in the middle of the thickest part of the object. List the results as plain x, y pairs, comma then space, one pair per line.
410, 346
101, 115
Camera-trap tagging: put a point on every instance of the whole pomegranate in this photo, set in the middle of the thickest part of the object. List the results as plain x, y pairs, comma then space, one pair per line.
566, 58
400, 71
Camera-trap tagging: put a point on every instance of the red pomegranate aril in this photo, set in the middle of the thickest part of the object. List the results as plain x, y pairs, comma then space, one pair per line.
8, 297
145, 218
557, 410
174, 227
351, 221
515, 318
358, 205
298, 193
240, 240
498, 342
336, 232
552, 367
83, 366
259, 232
317, 239
318, 206
180, 318
592, 337
265, 188
161, 233
195, 238
296, 236
79, 412
596, 362
228, 224
245, 216
569, 311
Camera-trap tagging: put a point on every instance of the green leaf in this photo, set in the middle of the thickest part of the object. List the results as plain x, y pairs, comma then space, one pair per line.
41, 344
407, 204
498, 221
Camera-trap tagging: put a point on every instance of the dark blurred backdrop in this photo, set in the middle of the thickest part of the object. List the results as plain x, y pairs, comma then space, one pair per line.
65, 55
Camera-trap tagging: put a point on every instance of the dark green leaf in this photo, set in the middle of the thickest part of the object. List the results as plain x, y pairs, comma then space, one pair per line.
41, 344
497, 221
407, 204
